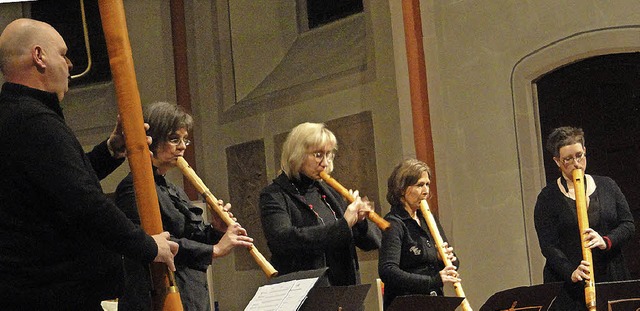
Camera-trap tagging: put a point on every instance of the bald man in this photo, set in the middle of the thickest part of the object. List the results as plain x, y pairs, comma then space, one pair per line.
61, 239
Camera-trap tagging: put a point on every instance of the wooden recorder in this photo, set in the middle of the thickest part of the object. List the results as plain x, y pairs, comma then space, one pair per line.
213, 205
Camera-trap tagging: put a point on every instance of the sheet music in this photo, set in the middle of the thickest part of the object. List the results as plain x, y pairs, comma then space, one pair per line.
285, 296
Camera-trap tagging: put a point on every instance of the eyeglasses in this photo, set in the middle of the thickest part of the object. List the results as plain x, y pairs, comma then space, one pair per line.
177, 141
319, 156
578, 158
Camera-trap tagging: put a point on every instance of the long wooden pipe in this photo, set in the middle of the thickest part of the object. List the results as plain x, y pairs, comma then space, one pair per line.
213, 205
583, 224
373, 216
166, 296
435, 233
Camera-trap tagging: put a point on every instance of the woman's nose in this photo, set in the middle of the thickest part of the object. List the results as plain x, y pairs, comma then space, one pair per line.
324, 162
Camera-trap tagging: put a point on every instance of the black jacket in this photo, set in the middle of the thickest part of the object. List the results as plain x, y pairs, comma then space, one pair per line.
409, 262
60, 237
556, 225
196, 239
298, 240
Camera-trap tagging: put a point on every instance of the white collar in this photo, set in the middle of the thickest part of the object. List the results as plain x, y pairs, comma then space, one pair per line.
570, 193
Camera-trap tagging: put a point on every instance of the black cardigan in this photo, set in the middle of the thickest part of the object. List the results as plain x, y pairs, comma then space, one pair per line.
187, 228
556, 224
60, 237
409, 262
297, 240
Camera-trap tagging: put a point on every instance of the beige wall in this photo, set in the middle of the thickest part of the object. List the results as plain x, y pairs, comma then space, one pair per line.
377, 93
481, 58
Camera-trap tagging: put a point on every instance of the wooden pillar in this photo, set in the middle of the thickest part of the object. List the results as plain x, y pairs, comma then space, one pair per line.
418, 89
183, 91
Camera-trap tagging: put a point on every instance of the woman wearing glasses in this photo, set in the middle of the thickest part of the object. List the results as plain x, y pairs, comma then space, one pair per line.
307, 224
610, 221
169, 127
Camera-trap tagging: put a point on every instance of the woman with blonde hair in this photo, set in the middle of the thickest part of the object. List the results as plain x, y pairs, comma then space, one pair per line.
307, 224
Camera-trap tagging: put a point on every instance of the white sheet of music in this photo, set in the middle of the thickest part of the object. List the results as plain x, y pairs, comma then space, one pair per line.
285, 296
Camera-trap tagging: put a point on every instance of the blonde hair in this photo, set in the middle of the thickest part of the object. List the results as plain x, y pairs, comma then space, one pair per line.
301, 138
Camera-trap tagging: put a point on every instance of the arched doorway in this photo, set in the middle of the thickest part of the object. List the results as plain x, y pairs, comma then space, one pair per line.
600, 94
529, 133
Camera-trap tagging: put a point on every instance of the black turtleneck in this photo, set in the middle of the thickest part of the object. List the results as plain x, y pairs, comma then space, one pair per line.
311, 194
62, 238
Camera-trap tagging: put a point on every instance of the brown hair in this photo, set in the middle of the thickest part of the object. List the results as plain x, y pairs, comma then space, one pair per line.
564, 136
165, 119
405, 174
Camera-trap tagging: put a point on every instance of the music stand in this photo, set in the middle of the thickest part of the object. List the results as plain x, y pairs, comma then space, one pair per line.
288, 291
321, 274
424, 302
614, 296
348, 298
536, 297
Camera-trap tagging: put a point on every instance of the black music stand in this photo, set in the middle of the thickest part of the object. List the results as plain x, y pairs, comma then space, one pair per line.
618, 296
321, 274
424, 302
529, 298
294, 294
348, 298
322, 296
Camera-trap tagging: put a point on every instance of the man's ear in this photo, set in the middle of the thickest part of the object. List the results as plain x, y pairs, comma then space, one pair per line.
557, 160
37, 55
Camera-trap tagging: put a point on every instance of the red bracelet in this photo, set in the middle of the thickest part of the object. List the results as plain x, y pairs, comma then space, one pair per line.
607, 241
